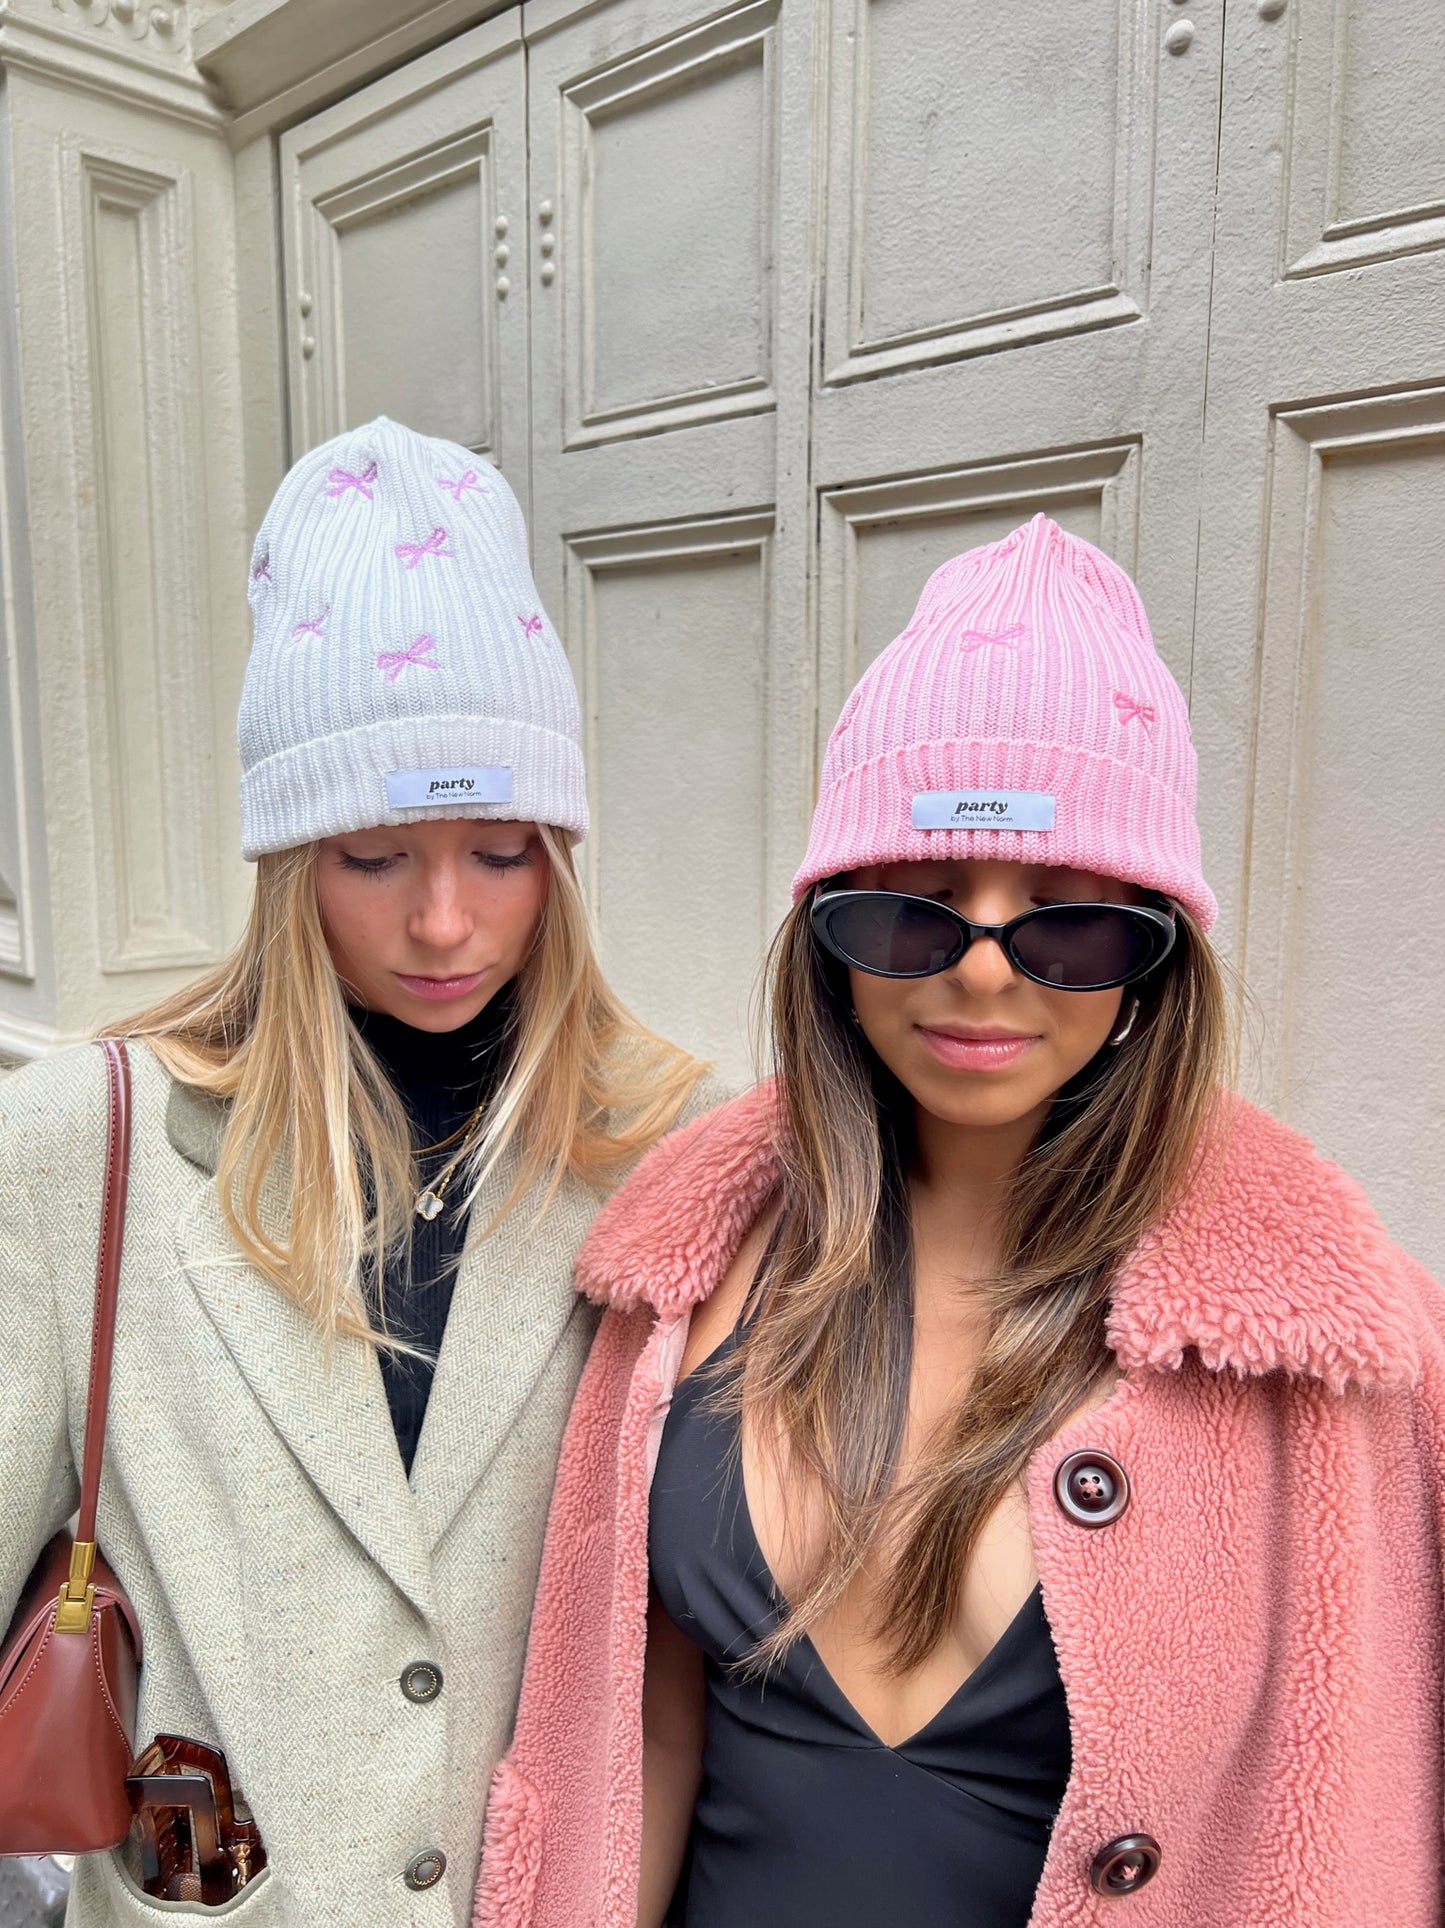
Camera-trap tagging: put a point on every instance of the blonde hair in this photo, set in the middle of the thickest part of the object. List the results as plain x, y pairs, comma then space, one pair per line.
825, 1365
587, 1090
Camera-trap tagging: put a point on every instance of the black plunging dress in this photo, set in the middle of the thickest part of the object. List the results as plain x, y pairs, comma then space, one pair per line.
805, 1819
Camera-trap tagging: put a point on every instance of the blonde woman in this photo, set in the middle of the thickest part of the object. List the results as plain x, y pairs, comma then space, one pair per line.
1008, 1485
365, 1151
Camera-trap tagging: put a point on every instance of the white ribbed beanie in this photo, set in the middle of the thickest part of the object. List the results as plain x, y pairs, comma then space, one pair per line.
403, 667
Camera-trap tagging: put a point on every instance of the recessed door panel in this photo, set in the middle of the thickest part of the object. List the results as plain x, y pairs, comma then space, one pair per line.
1347, 794
410, 276
1387, 125
1367, 134
673, 631
881, 542
148, 687
669, 173
405, 236
988, 184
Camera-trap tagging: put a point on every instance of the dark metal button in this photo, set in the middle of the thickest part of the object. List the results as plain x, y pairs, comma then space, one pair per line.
426, 1870
1091, 1488
1124, 1866
422, 1681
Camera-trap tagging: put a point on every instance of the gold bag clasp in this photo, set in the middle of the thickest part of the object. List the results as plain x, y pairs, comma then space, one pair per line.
77, 1596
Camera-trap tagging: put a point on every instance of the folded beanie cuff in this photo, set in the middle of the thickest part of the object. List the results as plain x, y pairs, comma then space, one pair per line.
333, 784
1109, 817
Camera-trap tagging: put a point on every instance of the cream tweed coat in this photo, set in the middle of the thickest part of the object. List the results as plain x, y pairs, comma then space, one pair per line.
255, 1506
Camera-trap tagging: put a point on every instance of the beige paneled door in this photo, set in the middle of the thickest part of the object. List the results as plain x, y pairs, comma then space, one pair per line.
768, 396
767, 308
1319, 684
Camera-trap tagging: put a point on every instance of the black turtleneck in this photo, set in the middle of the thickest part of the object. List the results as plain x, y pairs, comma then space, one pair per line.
441, 1077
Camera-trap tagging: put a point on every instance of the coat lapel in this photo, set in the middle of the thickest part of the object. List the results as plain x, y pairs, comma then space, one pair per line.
1271, 1261
513, 1302
330, 1410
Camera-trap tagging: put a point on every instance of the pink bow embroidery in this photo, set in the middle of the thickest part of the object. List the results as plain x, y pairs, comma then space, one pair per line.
262, 571
342, 479
392, 662
1129, 707
411, 553
973, 639
313, 625
460, 486
531, 625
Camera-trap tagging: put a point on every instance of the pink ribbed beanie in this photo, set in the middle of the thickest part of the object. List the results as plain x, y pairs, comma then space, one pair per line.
1026, 693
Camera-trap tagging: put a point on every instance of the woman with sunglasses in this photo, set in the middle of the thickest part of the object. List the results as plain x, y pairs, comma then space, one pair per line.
1008, 1478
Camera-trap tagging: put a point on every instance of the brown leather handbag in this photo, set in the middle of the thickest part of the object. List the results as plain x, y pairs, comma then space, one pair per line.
70, 1664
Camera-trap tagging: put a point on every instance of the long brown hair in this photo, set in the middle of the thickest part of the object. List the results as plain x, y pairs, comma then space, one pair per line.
825, 1365
587, 1089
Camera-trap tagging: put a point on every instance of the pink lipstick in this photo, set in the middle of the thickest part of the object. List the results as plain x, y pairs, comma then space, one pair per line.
976, 1050
439, 990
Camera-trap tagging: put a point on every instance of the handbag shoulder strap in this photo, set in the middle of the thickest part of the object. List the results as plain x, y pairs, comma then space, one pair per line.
78, 1594
107, 1277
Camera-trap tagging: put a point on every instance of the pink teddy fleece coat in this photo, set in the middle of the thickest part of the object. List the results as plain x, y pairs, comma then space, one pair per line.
1252, 1653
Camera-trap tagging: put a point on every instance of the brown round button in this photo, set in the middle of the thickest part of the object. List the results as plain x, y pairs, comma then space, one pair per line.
1124, 1866
426, 1869
422, 1681
1092, 1489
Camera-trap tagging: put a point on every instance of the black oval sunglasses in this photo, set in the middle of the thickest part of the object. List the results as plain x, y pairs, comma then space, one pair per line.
1068, 947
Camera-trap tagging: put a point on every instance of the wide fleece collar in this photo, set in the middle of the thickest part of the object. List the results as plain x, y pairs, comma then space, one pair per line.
1273, 1261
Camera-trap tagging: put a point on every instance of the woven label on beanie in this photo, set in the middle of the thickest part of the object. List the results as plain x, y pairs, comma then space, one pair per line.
983, 810
434, 789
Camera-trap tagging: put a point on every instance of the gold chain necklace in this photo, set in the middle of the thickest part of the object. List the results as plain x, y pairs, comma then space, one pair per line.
426, 1151
432, 1198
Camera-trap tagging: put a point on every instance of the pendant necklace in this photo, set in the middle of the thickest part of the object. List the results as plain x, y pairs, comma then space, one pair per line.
432, 1198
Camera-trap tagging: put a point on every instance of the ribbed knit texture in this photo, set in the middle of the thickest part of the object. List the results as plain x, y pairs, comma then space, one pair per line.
1028, 666
398, 629
441, 1077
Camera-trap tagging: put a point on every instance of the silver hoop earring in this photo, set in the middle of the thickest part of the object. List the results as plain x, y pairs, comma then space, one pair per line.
1121, 1036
